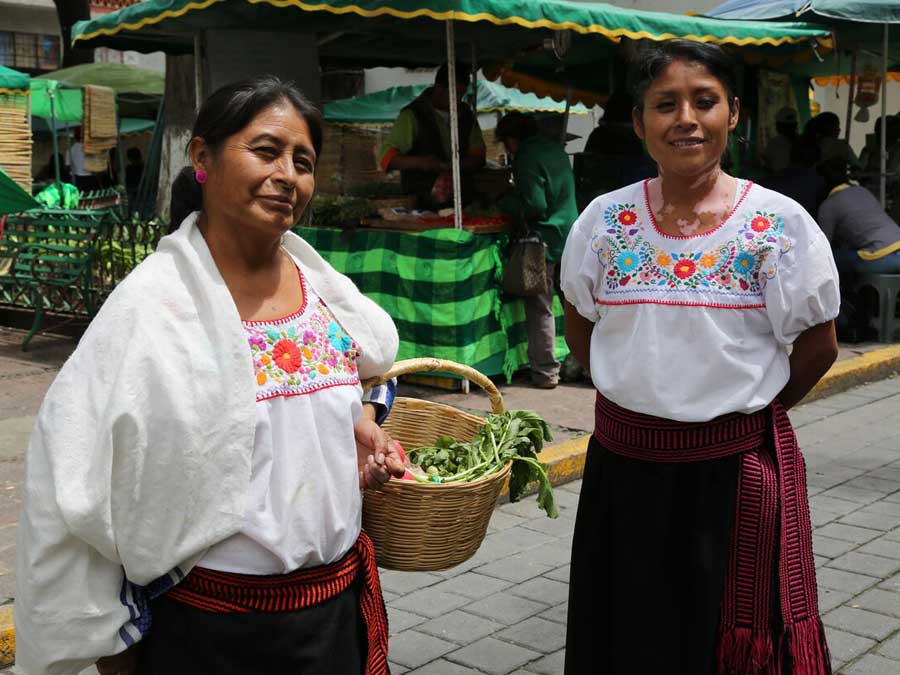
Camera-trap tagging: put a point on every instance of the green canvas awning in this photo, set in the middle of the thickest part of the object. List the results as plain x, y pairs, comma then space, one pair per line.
67, 101
411, 25
133, 125
13, 82
13, 199
382, 107
121, 78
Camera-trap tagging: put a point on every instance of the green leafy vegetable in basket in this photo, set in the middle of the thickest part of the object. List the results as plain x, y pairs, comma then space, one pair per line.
515, 436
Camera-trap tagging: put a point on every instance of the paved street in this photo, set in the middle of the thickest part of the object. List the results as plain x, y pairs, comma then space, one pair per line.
504, 611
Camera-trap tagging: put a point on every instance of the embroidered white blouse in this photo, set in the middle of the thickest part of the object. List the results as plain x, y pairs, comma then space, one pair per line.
693, 327
303, 507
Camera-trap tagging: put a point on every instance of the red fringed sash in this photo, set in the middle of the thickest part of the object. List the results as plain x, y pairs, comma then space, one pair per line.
226, 592
771, 483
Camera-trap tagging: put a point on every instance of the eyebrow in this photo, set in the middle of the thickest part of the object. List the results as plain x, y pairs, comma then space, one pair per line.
271, 138
698, 90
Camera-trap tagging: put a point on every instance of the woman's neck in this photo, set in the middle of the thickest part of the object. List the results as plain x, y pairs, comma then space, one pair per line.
680, 190
238, 251
692, 205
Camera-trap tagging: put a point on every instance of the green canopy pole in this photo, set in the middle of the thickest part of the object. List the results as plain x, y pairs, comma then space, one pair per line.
51, 94
454, 126
884, 74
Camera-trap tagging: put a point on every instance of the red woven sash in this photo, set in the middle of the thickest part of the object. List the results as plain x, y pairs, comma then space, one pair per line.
226, 592
771, 483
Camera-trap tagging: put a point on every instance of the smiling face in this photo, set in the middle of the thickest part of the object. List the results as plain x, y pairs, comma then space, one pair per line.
262, 177
685, 119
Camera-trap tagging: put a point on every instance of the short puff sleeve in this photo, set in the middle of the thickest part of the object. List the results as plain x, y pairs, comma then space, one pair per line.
804, 291
580, 269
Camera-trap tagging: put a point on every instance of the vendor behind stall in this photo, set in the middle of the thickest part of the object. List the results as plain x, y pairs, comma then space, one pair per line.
418, 145
544, 198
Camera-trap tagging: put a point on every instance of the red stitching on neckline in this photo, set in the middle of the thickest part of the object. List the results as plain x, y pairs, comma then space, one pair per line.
691, 236
293, 315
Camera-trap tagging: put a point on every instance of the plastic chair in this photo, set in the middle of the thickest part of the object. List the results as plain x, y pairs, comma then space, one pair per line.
887, 288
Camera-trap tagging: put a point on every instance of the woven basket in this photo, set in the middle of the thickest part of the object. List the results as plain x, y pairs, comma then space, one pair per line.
420, 527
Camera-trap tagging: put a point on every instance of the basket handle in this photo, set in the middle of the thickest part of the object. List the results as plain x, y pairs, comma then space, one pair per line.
432, 365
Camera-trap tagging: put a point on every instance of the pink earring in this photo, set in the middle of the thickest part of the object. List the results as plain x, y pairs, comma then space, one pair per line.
200, 175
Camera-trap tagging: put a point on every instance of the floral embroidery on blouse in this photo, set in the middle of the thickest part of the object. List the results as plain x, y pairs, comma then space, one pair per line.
300, 354
739, 266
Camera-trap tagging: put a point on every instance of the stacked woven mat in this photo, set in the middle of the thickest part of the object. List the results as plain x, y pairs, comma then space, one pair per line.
99, 126
15, 139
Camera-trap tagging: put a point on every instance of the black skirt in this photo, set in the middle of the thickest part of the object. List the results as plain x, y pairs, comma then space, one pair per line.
649, 556
327, 639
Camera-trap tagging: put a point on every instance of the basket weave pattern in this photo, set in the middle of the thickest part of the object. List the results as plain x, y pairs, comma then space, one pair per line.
427, 526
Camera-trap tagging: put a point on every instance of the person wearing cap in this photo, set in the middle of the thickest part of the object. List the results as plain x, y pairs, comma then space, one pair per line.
418, 145
777, 155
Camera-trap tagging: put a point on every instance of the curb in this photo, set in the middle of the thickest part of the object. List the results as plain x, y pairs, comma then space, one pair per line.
7, 636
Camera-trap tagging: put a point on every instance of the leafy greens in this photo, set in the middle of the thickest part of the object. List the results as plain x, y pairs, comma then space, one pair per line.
515, 436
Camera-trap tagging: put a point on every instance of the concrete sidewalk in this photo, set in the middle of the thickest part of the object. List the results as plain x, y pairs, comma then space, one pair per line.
504, 611
503, 607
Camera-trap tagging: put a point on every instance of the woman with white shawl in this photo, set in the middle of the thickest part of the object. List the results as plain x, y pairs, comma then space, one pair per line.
192, 492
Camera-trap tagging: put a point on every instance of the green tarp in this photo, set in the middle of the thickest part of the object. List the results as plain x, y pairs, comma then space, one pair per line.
409, 31
442, 288
13, 199
121, 78
12, 81
382, 107
67, 102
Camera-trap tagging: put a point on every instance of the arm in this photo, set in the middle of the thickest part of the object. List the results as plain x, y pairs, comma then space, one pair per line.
813, 353
578, 335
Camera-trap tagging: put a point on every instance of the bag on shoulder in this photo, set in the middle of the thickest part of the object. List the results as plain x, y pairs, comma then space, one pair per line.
526, 269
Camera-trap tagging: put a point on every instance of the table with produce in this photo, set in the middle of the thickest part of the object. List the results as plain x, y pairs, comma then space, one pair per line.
442, 286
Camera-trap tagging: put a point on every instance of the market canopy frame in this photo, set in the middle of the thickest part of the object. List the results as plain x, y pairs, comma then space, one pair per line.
383, 107
169, 25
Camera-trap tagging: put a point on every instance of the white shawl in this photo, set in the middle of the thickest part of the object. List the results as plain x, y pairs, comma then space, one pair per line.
141, 453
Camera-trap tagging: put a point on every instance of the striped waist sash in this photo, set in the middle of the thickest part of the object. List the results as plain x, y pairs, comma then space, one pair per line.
771, 519
227, 592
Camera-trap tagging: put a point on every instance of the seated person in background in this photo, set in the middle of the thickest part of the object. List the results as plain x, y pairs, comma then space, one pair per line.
418, 145
799, 180
863, 236
777, 155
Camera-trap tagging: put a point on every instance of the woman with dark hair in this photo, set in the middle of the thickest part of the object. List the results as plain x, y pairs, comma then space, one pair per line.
544, 201
692, 551
192, 495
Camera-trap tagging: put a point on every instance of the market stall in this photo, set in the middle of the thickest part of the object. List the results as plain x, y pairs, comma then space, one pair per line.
441, 286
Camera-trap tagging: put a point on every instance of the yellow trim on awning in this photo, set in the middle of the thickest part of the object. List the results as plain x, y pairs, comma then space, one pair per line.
613, 34
836, 80
15, 92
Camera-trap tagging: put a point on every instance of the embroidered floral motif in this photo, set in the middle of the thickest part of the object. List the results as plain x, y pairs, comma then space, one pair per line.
307, 353
740, 266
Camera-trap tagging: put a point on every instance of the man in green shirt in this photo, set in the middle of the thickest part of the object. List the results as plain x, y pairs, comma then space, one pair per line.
544, 199
419, 143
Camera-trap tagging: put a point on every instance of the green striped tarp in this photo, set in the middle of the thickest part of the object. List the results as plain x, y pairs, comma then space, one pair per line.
443, 290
